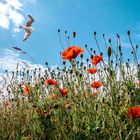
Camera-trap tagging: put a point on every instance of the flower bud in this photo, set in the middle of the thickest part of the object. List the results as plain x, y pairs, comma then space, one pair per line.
64, 62
74, 34
109, 40
109, 51
81, 55
128, 32
118, 35
120, 48
91, 49
101, 54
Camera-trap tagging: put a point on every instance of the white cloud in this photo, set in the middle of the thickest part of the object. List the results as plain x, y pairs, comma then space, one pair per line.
16, 4
10, 12
4, 21
9, 60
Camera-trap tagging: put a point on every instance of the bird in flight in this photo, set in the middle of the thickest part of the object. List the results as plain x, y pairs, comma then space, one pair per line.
28, 28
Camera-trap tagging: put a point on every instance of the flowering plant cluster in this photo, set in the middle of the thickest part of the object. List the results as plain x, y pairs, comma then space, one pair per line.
93, 98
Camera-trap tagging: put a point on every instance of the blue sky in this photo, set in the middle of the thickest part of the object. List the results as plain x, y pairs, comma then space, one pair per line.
84, 17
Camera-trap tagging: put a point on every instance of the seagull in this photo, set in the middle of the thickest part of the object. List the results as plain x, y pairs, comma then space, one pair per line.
28, 28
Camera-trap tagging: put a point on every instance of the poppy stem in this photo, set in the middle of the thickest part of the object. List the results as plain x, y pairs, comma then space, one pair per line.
88, 50
60, 40
66, 38
74, 36
68, 41
60, 59
105, 40
73, 41
135, 57
97, 43
117, 49
32, 58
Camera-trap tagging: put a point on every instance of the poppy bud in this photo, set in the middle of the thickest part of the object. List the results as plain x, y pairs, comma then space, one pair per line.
77, 62
136, 46
74, 34
94, 51
64, 62
128, 32
58, 30
63, 70
120, 48
89, 65
103, 35
71, 71
86, 46
81, 55
91, 49
84, 67
87, 59
65, 32
101, 54
109, 51
109, 40
81, 64
132, 52
80, 75
118, 35
94, 33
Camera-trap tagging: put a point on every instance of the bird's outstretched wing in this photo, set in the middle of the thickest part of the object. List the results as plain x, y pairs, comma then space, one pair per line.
31, 20
27, 34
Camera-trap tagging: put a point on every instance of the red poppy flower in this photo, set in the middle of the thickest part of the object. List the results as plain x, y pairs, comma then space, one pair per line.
138, 83
134, 112
92, 70
96, 59
50, 82
26, 89
71, 52
96, 84
64, 92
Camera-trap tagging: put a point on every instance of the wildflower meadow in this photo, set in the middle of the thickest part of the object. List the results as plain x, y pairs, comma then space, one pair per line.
86, 98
